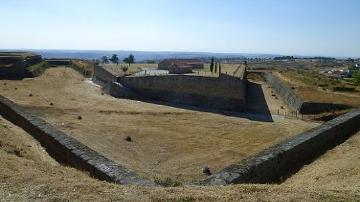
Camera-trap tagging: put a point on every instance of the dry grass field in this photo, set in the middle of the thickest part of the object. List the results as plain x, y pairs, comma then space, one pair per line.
338, 169
167, 142
230, 69
27, 173
134, 68
83, 66
306, 88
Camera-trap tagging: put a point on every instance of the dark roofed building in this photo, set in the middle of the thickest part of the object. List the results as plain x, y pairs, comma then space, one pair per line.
180, 69
194, 63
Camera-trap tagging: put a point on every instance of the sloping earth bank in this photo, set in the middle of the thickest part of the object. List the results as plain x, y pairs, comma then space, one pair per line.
28, 173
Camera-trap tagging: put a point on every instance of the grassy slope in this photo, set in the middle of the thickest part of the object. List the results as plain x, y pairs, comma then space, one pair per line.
338, 169
314, 87
84, 67
168, 142
30, 174
37, 69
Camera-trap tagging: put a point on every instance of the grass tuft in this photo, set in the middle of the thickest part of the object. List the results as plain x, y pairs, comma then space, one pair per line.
167, 182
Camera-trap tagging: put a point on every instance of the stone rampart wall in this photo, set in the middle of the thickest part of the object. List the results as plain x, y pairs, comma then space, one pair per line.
68, 150
283, 159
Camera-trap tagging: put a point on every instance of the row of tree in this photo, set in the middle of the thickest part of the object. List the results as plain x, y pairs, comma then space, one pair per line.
115, 59
215, 66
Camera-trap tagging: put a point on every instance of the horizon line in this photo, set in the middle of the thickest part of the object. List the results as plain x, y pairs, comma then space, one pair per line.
177, 51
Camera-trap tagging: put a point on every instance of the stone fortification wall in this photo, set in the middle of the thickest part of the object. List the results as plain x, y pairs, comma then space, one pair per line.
286, 93
289, 156
14, 65
224, 92
68, 150
103, 77
295, 102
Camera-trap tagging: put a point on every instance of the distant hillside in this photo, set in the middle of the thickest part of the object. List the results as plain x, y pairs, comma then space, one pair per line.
142, 55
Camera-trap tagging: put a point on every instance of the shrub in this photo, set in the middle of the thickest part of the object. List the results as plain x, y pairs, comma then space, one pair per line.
343, 88
356, 76
168, 182
124, 68
37, 69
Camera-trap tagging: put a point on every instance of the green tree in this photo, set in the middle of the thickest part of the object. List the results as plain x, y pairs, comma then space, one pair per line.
105, 59
356, 76
129, 60
212, 64
114, 59
216, 67
150, 61
219, 68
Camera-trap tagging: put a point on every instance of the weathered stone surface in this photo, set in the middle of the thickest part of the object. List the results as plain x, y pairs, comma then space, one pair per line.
119, 91
284, 91
224, 92
103, 77
287, 157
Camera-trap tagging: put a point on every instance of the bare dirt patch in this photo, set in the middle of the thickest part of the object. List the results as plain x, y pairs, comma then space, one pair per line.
166, 141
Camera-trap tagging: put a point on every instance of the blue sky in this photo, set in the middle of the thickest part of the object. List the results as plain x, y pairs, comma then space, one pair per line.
301, 27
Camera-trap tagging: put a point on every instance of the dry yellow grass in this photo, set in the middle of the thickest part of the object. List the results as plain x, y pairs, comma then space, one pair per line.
230, 69
315, 94
134, 68
34, 176
168, 142
338, 169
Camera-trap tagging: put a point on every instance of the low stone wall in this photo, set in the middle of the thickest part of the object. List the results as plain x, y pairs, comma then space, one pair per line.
282, 160
33, 59
103, 77
68, 150
119, 91
58, 62
224, 92
295, 102
14, 71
